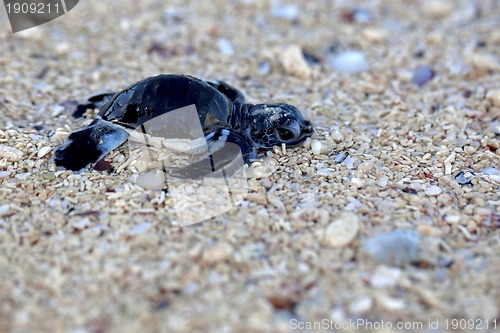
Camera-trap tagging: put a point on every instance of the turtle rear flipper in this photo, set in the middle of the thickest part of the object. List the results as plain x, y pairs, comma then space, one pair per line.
228, 151
89, 144
229, 91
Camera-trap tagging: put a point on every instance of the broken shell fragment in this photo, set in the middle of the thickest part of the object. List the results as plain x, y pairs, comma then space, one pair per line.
10, 153
316, 147
43, 151
341, 231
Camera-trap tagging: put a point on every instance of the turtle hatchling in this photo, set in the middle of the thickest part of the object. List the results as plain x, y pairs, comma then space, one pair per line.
222, 112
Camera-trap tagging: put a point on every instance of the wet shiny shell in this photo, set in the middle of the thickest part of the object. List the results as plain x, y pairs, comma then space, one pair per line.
158, 95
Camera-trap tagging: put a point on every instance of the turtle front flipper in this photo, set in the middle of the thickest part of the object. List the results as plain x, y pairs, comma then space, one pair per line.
95, 101
89, 144
228, 151
229, 91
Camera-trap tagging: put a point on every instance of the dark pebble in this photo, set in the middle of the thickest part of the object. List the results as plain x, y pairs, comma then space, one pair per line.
311, 58
103, 165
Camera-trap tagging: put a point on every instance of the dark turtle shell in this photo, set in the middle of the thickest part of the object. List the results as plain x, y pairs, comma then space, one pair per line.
160, 94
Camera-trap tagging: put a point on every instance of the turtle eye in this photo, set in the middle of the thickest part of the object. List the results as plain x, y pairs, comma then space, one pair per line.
288, 132
284, 134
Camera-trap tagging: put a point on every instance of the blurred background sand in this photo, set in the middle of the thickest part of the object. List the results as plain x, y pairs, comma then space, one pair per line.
407, 138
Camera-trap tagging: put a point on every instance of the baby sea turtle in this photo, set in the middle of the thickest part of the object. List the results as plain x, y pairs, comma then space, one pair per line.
223, 114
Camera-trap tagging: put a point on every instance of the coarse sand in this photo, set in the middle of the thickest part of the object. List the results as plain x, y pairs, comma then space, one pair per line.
388, 220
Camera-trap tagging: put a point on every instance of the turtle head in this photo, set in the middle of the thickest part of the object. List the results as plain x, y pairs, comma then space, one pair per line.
274, 124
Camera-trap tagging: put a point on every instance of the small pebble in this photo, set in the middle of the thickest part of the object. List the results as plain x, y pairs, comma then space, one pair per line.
495, 126
464, 177
139, 229
23, 176
150, 180
361, 15
428, 230
48, 175
4, 209
43, 151
493, 96
262, 169
350, 62
307, 143
453, 219
385, 277
433, 191
356, 15
337, 136
4, 174
349, 162
10, 153
35, 137
58, 135
288, 12
282, 301
469, 150
382, 182
391, 304
293, 62
437, 8
447, 168
353, 204
339, 158
266, 182
218, 252
82, 223
103, 165
259, 198
325, 172
30, 34
422, 75
483, 61
490, 171
316, 147
62, 48
394, 248
341, 231
264, 68
57, 110
225, 46
361, 305
357, 182
375, 35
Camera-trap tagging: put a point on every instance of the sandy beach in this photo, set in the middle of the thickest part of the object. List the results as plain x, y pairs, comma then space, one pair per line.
386, 220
